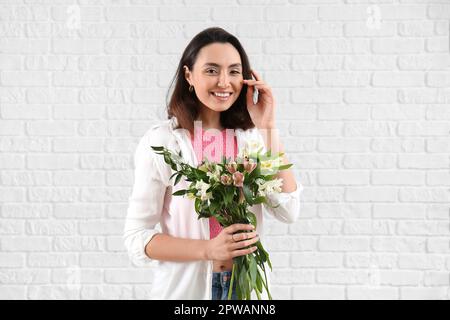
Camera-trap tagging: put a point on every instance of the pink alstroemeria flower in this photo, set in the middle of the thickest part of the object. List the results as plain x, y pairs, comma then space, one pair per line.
231, 167
226, 179
249, 165
238, 179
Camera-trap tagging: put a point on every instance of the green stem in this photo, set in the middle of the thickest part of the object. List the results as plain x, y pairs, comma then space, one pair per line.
232, 281
265, 282
256, 290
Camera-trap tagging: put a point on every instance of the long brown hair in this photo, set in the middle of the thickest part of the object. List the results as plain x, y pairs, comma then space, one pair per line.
185, 106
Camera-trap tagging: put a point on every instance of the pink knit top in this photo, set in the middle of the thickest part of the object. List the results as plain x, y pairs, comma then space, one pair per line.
213, 147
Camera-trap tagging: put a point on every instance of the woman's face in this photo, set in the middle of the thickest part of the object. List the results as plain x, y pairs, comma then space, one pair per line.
218, 69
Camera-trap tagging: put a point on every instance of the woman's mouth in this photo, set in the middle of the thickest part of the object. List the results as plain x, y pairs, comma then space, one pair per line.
221, 96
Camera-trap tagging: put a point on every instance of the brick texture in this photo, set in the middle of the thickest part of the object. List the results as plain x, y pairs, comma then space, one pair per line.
363, 93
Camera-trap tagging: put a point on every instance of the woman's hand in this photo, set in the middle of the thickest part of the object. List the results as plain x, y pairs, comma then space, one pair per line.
229, 243
263, 112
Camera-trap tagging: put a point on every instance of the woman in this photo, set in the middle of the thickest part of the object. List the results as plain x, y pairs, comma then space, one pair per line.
194, 257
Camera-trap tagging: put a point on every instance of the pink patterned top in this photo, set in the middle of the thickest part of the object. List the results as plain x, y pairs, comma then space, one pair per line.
212, 147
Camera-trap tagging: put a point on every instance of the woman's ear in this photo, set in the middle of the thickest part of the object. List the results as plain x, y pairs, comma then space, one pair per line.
187, 74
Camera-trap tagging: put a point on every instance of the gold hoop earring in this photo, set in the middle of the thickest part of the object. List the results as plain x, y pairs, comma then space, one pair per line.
191, 88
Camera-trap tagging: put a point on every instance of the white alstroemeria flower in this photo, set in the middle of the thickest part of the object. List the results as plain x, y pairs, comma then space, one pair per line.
254, 146
269, 187
269, 166
191, 195
251, 147
215, 174
266, 165
276, 185
260, 182
261, 190
202, 187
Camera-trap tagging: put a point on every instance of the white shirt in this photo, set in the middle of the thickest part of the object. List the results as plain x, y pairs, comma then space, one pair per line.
151, 203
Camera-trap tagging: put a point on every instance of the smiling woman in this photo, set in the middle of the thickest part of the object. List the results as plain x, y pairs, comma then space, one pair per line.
214, 87
213, 64
218, 84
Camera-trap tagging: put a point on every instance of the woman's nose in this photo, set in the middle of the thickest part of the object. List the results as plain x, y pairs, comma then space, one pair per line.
223, 79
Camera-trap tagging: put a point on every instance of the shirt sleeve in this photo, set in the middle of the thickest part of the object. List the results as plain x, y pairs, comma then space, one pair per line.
146, 201
288, 204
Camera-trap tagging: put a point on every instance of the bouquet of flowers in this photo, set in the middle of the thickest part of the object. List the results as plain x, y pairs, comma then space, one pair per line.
226, 191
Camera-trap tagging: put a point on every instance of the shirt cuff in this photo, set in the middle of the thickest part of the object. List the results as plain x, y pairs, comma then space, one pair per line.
285, 197
136, 248
287, 205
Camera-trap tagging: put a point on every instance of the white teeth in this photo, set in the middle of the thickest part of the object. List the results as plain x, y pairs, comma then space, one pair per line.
221, 94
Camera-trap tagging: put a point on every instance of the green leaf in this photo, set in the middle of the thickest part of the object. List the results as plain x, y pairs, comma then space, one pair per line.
180, 192
226, 198
178, 179
157, 148
252, 218
237, 281
173, 175
259, 200
198, 205
259, 283
270, 177
261, 251
243, 283
253, 270
286, 166
214, 207
268, 261
204, 213
229, 193
248, 194
222, 220
248, 287
167, 159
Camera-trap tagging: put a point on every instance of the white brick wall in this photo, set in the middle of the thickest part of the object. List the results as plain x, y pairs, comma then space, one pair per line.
363, 92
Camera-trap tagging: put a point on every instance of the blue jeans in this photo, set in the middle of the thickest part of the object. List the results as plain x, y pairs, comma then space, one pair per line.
221, 286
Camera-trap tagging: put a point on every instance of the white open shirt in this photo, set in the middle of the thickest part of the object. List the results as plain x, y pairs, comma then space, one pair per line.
151, 203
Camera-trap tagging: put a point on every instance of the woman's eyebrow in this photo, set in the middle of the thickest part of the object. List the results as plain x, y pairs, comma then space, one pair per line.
218, 65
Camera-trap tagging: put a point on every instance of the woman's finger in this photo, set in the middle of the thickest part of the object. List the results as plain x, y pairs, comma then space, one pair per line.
243, 236
255, 74
252, 82
264, 89
244, 244
243, 252
239, 226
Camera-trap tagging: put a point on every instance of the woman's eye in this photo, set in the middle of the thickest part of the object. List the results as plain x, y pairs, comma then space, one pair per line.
234, 71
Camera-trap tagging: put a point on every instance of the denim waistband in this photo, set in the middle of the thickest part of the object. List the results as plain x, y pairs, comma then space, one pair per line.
223, 272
